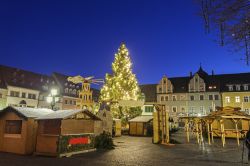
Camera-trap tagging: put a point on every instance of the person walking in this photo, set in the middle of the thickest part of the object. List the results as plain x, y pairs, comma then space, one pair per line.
248, 143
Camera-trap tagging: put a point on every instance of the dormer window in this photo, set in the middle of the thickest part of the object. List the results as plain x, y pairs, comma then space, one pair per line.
66, 90
230, 87
246, 87
238, 87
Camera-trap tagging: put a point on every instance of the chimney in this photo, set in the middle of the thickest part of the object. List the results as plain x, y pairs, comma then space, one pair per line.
212, 72
190, 74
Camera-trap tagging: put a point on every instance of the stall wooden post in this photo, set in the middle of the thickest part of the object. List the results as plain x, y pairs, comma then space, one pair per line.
208, 133
197, 131
187, 129
237, 131
222, 132
200, 133
212, 133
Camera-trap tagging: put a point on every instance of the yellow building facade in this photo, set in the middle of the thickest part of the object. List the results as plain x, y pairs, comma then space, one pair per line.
237, 99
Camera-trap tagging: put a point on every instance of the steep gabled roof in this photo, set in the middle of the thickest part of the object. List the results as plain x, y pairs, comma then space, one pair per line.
149, 91
180, 84
25, 79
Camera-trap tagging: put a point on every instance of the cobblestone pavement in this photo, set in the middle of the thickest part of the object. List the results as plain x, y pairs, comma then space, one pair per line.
140, 151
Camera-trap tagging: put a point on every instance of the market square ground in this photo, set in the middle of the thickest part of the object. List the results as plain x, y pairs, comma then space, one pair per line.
140, 151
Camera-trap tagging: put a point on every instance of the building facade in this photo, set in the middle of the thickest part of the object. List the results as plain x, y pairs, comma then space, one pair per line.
28, 89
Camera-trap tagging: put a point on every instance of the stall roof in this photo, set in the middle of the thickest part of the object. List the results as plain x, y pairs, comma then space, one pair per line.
64, 114
27, 112
145, 118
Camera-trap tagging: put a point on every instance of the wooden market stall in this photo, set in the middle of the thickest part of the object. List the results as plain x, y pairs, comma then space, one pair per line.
141, 125
67, 132
18, 129
226, 122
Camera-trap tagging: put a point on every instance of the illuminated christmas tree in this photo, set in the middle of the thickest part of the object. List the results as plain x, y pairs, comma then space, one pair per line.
122, 84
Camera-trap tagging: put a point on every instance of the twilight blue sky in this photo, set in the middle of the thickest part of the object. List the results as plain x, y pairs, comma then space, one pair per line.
81, 37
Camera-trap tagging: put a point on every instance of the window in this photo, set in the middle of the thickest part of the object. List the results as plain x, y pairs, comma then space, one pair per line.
174, 98
66, 90
246, 99
74, 102
245, 87
13, 127
227, 99
66, 101
230, 87
31, 96
216, 97
174, 109
237, 99
164, 81
191, 98
238, 87
1, 95
23, 95
162, 98
166, 98
182, 109
14, 93
201, 109
149, 108
201, 97
70, 102
159, 89
210, 97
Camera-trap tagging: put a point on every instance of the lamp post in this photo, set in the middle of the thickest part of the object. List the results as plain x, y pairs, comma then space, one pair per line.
53, 98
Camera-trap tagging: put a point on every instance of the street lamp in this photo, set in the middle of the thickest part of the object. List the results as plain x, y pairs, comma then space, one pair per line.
53, 98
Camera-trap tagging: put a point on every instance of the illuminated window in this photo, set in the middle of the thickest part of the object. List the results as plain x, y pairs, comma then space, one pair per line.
227, 99
149, 109
237, 99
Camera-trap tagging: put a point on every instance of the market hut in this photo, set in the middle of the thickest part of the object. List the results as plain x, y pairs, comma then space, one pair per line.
227, 122
141, 125
18, 129
67, 132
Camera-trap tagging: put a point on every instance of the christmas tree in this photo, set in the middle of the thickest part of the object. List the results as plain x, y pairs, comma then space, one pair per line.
122, 83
